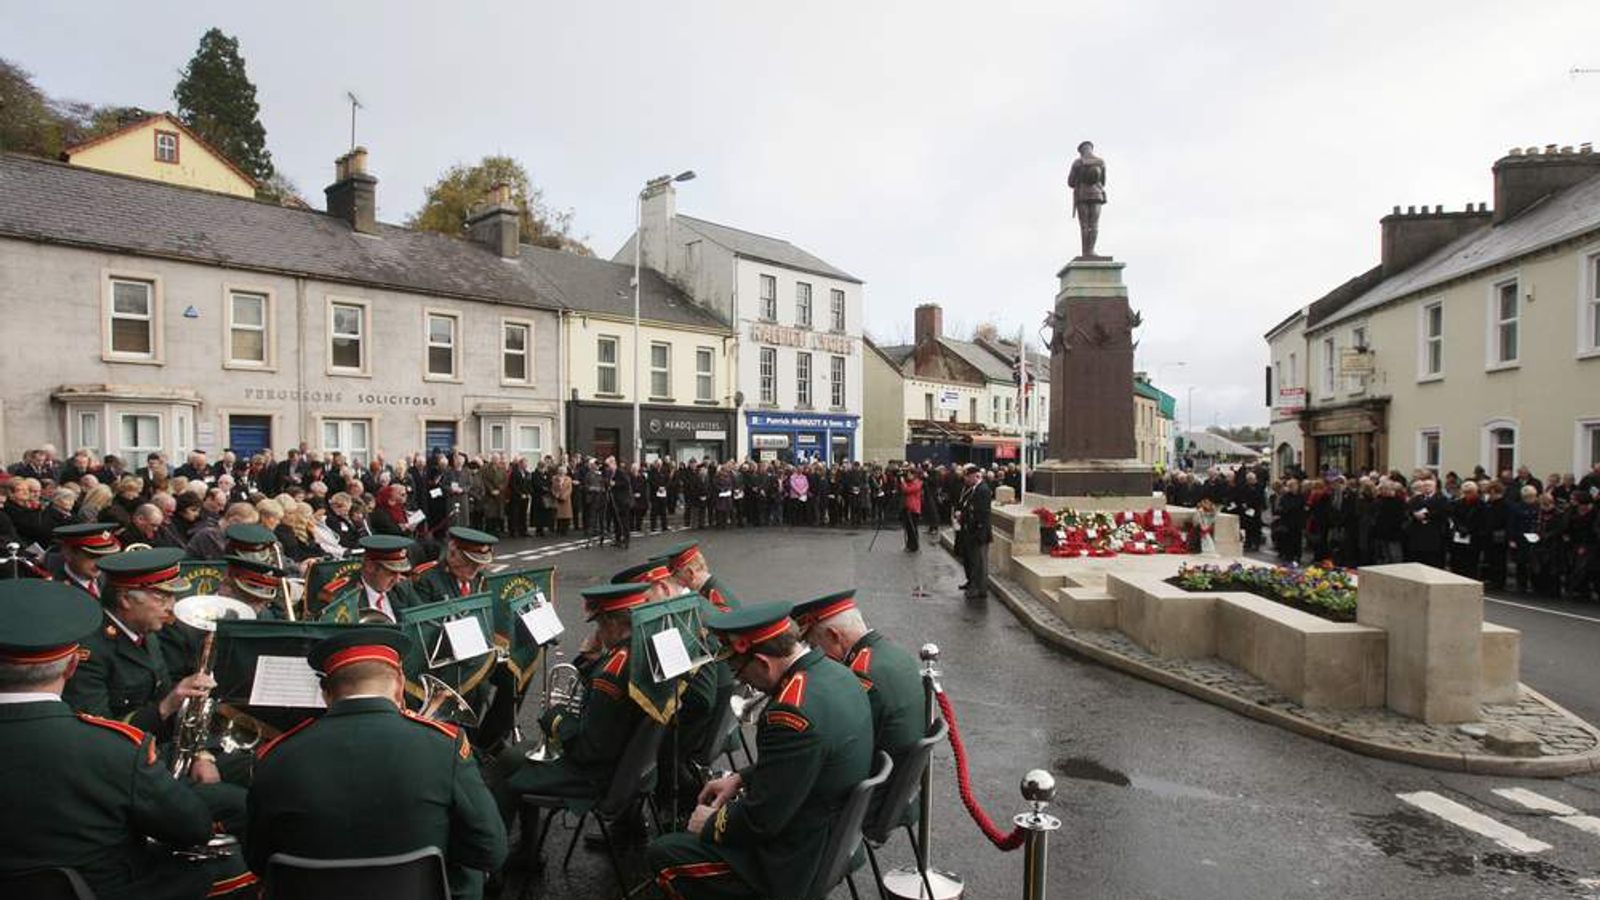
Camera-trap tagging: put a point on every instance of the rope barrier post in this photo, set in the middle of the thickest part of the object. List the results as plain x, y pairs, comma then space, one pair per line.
1038, 788
914, 882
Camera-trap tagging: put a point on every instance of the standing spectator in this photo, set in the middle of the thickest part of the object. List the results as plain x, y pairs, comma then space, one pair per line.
1522, 534
1468, 530
1583, 545
494, 482
1427, 519
973, 533
1388, 523
911, 506
561, 493
519, 489
1496, 531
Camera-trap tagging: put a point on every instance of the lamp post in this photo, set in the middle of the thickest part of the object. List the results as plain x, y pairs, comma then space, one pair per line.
651, 188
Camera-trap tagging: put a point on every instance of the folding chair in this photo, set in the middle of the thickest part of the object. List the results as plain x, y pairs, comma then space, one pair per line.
898, 795
47, 884
418, 875
846, 835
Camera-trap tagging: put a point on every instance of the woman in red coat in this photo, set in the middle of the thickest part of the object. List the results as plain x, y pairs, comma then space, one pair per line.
911, 508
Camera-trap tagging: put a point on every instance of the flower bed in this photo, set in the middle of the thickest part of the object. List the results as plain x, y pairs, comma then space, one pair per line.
1071, 533
1324, 591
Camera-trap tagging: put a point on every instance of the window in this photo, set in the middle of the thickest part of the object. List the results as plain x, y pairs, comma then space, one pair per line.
530, 441
1329, 365
184, 435
802, 374
247, 328
802, 304
133, 318
972, 410
89, 436
514, 352
1429, 446
167, 147
1294, 371
497, 438
1500, 447
441, 339
1589, 335
1431, 362
347, 350
1009, 410
1504, 317
660, 371
927, 404
836, 381
769, 298
140, 433
1588, 446
705, 382
994, 409
352, 437
769, 375
606, 365
836, 308
1358, 337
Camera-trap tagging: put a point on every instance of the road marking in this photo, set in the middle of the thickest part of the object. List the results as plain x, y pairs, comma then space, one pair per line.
1550, 612
1475, 822
1559, 811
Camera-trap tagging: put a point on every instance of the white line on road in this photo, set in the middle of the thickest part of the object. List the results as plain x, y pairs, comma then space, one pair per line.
1561, 812
1474, 821
1552, 612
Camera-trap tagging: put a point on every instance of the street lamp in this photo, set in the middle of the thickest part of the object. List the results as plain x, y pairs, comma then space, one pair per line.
651, 188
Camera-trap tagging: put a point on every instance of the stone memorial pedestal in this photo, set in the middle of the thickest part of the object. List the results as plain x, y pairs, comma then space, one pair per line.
1092, 448
1434, 621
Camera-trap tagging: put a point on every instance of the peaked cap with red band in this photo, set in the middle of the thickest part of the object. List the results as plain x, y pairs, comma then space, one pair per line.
608, 598
648, 572
90, 537
682, 555
388, 550
42, 621
359, 644
155, 569
258, 578
743, 628
807, 613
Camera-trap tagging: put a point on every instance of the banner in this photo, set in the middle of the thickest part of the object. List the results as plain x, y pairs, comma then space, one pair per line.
514, 594
246, 647
204, 575
322, 572
668, 646
452, 637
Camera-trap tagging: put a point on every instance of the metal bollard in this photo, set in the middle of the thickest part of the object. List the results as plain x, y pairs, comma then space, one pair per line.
1038, 788
915, 882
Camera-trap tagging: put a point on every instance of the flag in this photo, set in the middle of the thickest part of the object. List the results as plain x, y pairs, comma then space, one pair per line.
514, 593
658, 696
425, 626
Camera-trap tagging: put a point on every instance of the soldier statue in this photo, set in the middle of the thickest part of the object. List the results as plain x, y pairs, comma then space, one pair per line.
1088, 182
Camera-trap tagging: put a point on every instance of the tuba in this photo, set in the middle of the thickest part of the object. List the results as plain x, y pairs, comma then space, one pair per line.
193, 723
442, 703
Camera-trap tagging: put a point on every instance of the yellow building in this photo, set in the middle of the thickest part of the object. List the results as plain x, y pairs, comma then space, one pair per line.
161, 148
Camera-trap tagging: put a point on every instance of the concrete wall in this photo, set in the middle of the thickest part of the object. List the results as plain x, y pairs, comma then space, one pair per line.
60, 293
133, 153
1548, 395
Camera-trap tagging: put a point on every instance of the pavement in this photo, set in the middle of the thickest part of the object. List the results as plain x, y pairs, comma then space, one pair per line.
1162, 795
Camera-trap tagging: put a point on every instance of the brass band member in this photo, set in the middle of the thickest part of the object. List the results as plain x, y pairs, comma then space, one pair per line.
689, 569
82, 547
83, 792
380, 589
460, 571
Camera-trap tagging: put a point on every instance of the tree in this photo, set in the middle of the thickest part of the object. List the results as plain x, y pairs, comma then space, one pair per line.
450, 201
28, 121
217, 100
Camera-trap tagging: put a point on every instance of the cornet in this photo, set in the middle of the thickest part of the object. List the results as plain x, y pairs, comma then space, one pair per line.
563, 688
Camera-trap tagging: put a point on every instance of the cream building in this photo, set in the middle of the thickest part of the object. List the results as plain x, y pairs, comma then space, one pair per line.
1476, 341
1286, 392
1153, 410
161, 148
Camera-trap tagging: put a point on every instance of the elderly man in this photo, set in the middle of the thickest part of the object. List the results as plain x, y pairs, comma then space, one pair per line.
416, 785
149, 526
87, 793
460, 572
688, 567
762, 832
973, 533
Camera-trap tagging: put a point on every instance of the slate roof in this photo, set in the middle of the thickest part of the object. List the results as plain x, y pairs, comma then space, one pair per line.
766, 249
1038, 363
1217, 445
992, 367
898, 353
1561, 217
56, 203
588, 284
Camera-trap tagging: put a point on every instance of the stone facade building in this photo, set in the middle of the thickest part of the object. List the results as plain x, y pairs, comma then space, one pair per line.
1474, 341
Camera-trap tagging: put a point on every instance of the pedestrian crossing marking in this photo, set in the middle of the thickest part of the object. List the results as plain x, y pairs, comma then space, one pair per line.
1474, 821
1559, 811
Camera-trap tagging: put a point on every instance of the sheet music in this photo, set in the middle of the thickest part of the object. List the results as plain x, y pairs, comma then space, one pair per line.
286, 681
542, 622
466, 638
672, 657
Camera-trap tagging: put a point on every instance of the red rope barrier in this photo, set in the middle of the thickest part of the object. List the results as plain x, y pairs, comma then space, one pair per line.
1001, 840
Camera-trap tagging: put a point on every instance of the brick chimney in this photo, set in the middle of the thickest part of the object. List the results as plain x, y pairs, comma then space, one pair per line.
1410, 236
495, 224
659, 207
1524, 177
353, 196
928, 323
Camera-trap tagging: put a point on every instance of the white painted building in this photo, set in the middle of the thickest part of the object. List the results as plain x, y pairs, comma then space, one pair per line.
798, 354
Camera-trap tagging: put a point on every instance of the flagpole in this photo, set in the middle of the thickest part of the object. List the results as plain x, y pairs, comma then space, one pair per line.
1025, 414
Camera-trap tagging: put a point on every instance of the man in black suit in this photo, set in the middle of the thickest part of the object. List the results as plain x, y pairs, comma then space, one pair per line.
973, 534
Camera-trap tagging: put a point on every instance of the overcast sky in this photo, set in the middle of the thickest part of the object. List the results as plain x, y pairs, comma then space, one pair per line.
1251, 146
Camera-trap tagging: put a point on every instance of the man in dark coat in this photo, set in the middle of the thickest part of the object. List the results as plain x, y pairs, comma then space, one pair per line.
973, 533
371, 779
1428, 517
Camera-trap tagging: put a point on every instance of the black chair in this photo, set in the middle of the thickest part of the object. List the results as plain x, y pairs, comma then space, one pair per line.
418, 875
46, 884
898, 795
846, 835
717, 737
632, 780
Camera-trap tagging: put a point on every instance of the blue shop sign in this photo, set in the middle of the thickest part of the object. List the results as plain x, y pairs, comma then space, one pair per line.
802, 420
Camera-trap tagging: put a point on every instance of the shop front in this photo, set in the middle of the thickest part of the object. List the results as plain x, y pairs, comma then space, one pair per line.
1348, 439
596, 428
790, 437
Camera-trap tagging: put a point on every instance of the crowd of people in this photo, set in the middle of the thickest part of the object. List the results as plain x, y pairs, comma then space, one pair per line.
1510, 530
320, 505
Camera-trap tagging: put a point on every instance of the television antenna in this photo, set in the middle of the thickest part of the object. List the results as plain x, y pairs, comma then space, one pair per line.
355, 104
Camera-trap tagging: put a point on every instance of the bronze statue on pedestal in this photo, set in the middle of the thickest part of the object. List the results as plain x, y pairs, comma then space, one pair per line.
1088, 182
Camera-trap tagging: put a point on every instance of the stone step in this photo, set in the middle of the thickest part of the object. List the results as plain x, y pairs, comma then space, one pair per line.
1087, 608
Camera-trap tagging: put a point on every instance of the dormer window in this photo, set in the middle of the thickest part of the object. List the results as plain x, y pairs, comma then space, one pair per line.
167, 147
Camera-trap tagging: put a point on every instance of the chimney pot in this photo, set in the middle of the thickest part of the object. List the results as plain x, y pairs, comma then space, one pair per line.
1514, 151
1411, 210
353, 196
495, 223
1438, 208
928, 323
1550, 148
1396, 210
